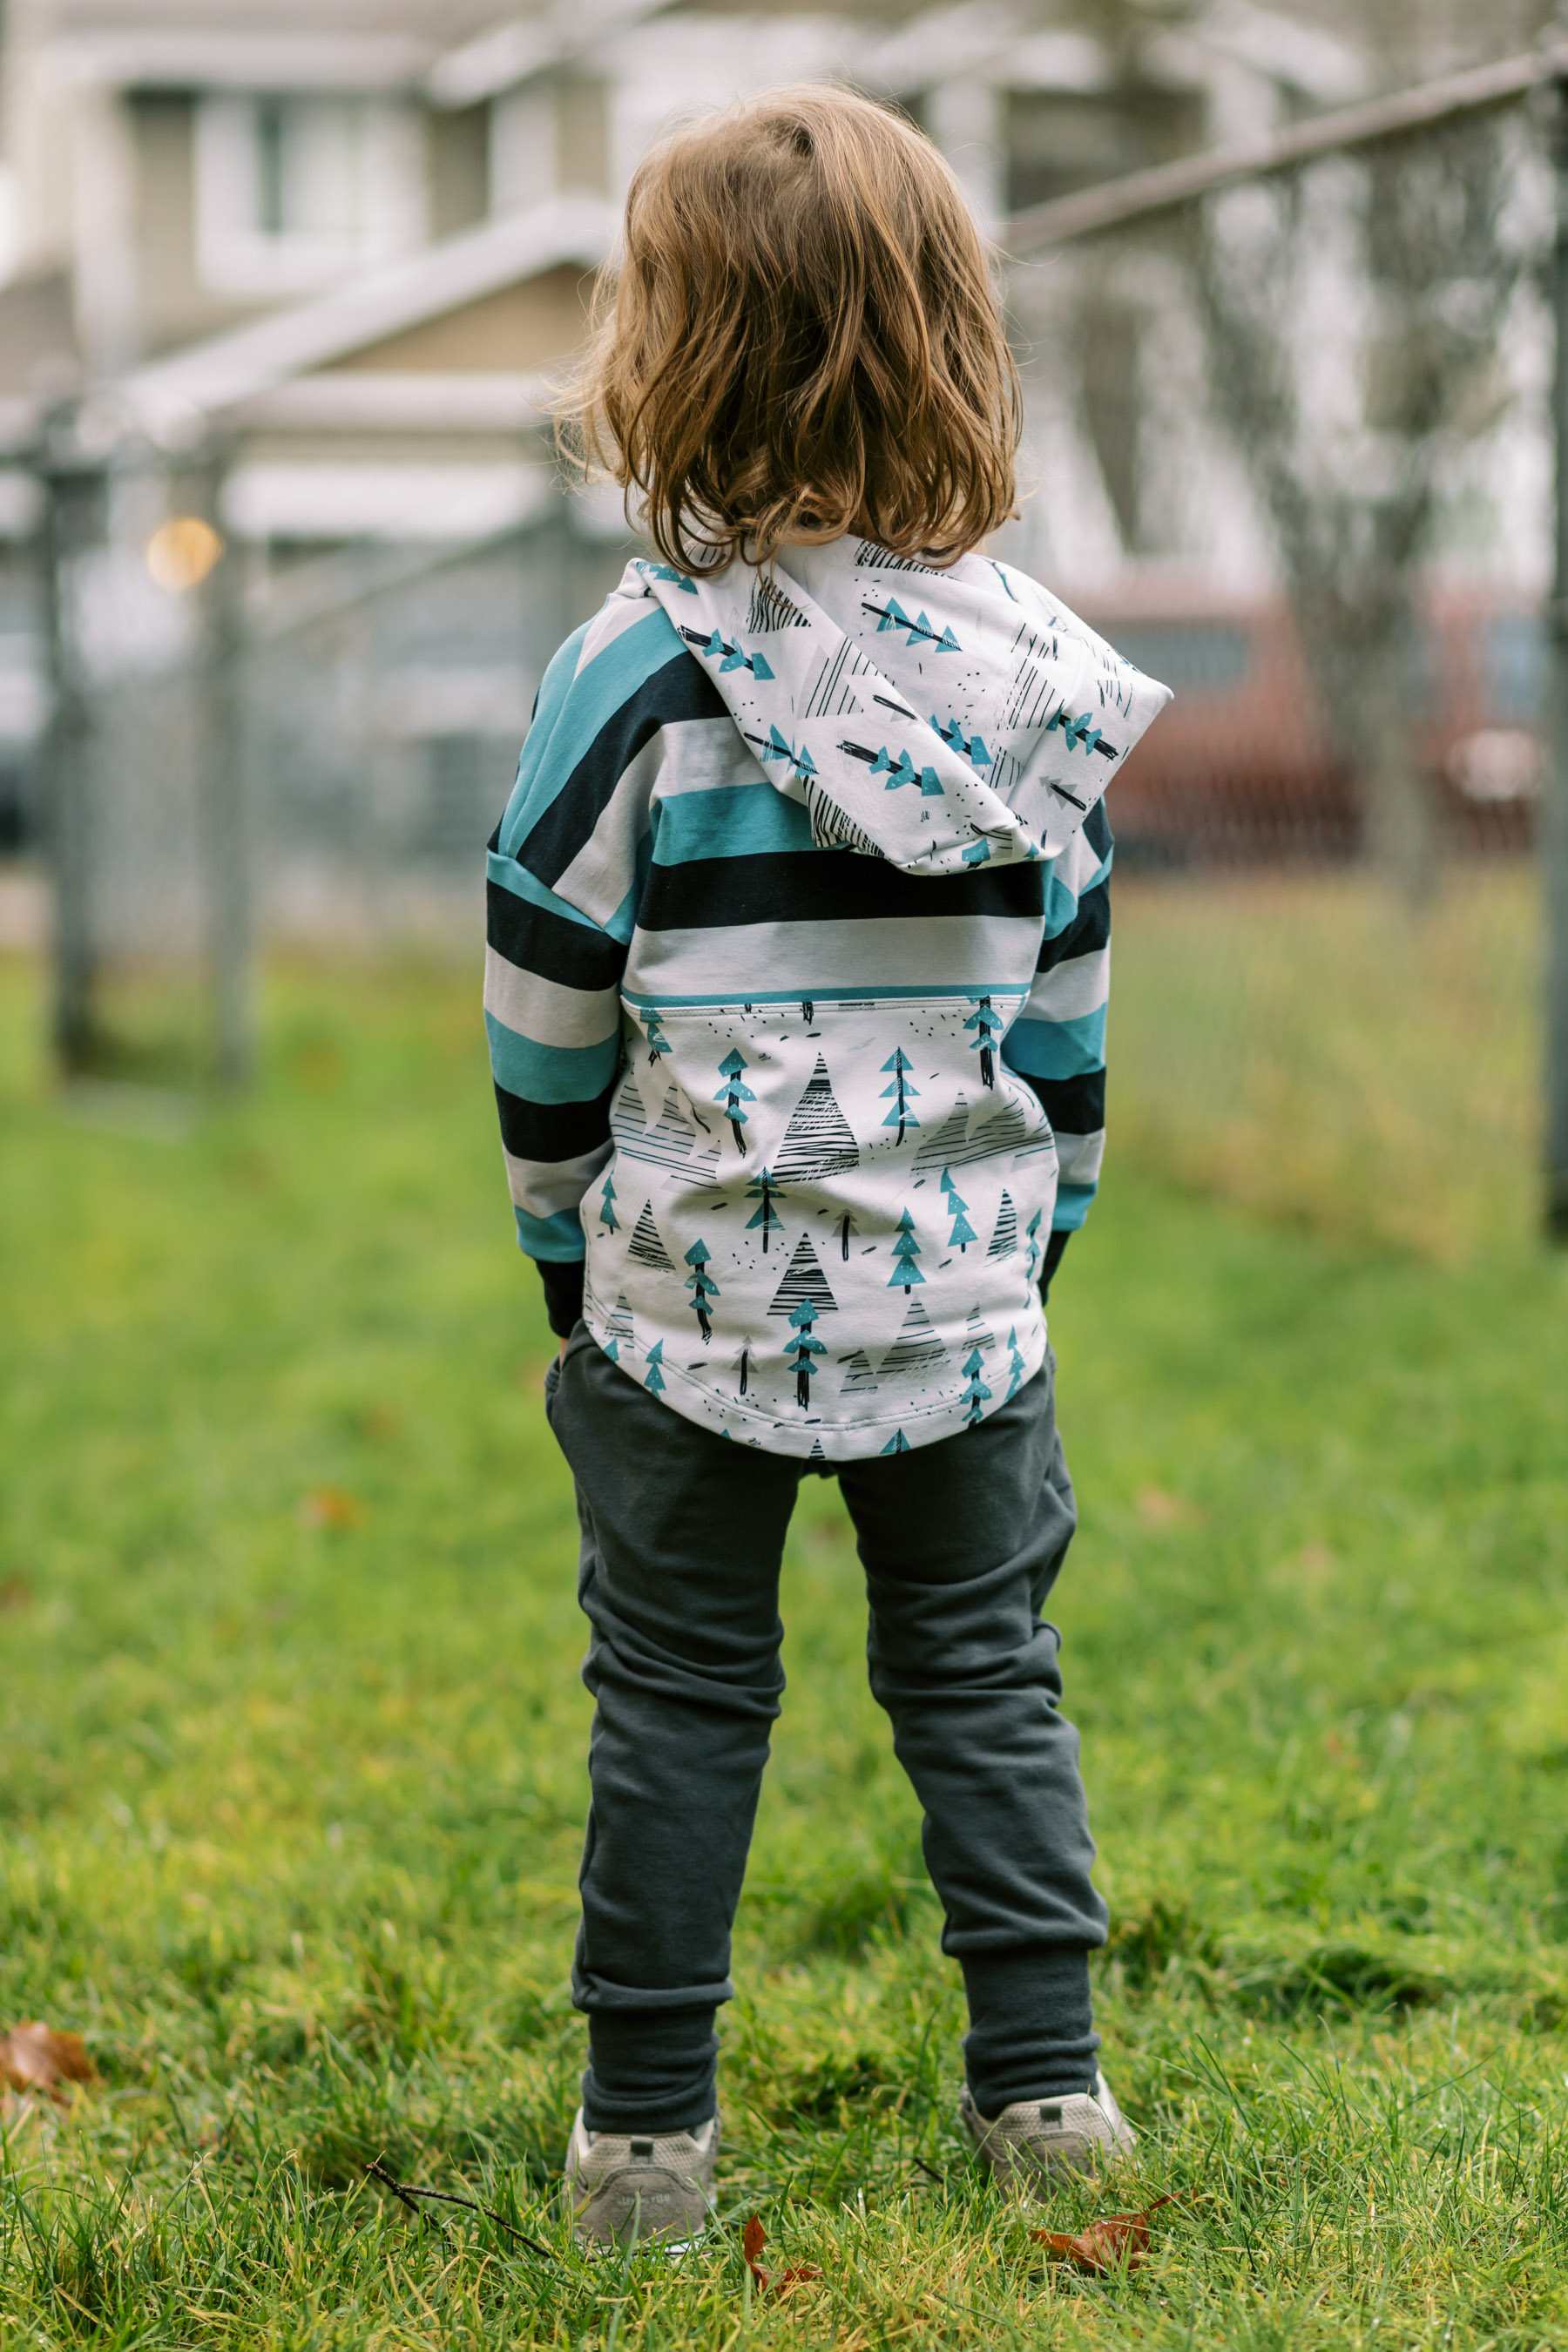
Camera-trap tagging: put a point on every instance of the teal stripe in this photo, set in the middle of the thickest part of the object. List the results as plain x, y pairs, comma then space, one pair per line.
732, 821
559, 1238
553, 689
1072, 1207
999, 990
1056, 1049
509, 876
552, 751
1062, 903
550, 1073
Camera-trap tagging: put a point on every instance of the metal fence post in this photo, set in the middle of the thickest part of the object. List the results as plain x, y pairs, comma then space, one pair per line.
74, 491
1554, 845
221, 784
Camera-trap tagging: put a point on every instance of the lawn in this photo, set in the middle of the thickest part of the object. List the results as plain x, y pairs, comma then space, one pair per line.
293, 1771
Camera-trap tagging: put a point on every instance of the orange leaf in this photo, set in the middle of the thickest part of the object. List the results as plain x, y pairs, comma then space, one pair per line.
752, 2241
32, 2057
1119, 2242
329, 1507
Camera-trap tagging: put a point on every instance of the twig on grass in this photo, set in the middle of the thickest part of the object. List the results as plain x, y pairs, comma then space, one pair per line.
409, 2195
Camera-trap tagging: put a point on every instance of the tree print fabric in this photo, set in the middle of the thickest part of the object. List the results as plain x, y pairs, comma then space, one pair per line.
795, 990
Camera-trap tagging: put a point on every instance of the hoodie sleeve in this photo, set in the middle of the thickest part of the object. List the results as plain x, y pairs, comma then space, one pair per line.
562, 888
1057, 1043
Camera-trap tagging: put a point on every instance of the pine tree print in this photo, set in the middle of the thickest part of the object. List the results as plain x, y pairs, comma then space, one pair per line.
607, 1207
733, 1093
764, 1189
900, 1093
742, 1369
1005, 1240
1016, 1368
978, 1332
654, 1381
819, 1140
645, 1246
620, 1332
976, 1395
808, 1012
906, 1249
896, 1444
986, 1024
799, 1351
963, 1232
860, 1379
658, 1042
847, 1229
629, 1116
816, 1453
702, 1287
804, 1279
947, 1146
1034, 1252
916, 1350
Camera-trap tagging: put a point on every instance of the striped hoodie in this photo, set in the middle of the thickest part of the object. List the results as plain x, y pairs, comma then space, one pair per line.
796, 983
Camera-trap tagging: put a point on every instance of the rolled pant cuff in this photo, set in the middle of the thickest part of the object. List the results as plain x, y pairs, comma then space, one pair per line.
1031, 2033
650, 2070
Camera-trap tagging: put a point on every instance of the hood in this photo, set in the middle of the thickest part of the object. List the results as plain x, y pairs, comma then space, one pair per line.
939, 720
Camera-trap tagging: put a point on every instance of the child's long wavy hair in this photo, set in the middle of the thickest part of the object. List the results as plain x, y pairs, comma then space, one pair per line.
802, 341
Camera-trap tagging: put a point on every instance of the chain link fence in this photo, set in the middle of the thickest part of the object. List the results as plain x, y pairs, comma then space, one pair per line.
1290, 451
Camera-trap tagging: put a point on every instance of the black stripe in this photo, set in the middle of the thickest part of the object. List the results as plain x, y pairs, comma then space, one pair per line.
828, 885
1097, 829
682, 689
532, 1130
552, 945
1073, 1106
1089, 929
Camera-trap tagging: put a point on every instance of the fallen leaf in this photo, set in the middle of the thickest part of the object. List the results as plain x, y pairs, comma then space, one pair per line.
34, 2057
329, 1507
1119, 2242
15, 1592
752, 2241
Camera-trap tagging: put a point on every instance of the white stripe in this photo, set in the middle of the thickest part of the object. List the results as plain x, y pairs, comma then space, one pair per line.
1078, 1157
615, 617
547, 1011
545, 1187
1081, 986
942, 953
710, 754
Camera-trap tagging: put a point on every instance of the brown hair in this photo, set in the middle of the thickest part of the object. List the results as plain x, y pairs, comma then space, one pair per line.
802, 341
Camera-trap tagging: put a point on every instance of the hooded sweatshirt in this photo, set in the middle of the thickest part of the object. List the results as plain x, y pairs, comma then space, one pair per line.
793, 954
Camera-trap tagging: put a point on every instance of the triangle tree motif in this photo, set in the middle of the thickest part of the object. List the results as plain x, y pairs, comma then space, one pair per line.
702, 1287
1005, 1240
819, 1140
978, 1332
1015, 1366
900, 1093
896, 1444
620, 1332
945, 1146
804, 1279
916, 1350
654, 1383
860, 1379
645, 1246
906, 1249
630, 1116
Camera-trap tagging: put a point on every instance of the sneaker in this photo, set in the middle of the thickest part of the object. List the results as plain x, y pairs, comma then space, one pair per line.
622, 2188
1034, 2138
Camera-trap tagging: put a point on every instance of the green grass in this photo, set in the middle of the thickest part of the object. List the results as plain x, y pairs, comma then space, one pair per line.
1306, 1046
291, 1808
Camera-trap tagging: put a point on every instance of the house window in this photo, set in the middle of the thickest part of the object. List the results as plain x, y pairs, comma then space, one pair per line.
293, 191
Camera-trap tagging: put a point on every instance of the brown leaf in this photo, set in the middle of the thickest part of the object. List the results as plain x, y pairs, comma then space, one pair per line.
1119, 2242
1158, 1509
15, 1592
752, 2241
32, 2057
329, 1507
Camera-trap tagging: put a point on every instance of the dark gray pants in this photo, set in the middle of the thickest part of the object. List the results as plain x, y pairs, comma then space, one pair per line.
683, 1532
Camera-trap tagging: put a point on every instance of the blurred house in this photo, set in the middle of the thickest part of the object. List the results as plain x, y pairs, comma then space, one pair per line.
355, 244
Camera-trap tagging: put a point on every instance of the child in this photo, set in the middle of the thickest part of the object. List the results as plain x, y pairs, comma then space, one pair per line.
796, 996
